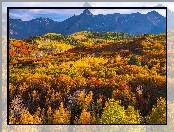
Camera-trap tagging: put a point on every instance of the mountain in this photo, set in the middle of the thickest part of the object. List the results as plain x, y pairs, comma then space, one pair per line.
4, 24
86, 4
22, 29
170, 18
135, 23
18, 33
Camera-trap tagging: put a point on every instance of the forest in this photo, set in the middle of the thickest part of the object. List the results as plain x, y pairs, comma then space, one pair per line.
88, 78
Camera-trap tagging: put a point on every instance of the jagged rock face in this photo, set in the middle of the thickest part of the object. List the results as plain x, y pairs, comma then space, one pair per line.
135, 24
23, 29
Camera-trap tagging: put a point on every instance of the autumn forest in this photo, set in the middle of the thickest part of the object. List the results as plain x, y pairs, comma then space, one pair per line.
88, 78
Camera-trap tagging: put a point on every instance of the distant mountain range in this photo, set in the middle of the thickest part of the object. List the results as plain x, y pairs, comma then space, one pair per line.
134, 23
4, 24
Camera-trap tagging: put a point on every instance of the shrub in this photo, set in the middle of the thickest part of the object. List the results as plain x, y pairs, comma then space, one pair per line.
134, 60
61, 116
114, 113
158, 115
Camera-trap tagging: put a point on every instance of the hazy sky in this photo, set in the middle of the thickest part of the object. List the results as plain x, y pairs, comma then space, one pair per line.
62, 14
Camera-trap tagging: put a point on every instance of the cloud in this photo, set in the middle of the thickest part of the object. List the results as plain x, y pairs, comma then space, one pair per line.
40, 4
132, 4
23, 17
28, 14
31, 13
54, 4
80, 4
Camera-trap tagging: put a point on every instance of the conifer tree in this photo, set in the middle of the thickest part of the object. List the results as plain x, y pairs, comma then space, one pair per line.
134, 60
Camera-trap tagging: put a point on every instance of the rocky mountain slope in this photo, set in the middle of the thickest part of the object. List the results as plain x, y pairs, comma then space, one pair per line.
135, 23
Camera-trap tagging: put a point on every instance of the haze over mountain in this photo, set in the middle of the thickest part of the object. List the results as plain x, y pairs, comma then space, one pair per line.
135, 23
4, 23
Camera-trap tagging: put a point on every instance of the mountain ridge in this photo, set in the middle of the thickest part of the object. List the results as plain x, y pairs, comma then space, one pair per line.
135, 23
143, 23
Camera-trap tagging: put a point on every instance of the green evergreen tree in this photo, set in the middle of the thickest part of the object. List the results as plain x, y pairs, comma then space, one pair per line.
134, 60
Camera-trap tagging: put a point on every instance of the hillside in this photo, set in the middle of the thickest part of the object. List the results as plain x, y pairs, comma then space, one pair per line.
88, 77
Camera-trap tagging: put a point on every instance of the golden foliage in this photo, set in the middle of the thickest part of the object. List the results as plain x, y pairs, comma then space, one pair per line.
61, 115
65, 68
158, 114
85, 118
27, 118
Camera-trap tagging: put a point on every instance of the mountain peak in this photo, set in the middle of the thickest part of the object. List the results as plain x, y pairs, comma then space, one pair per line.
86, 4
153, 12
87, 12
159, 5
152, 22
